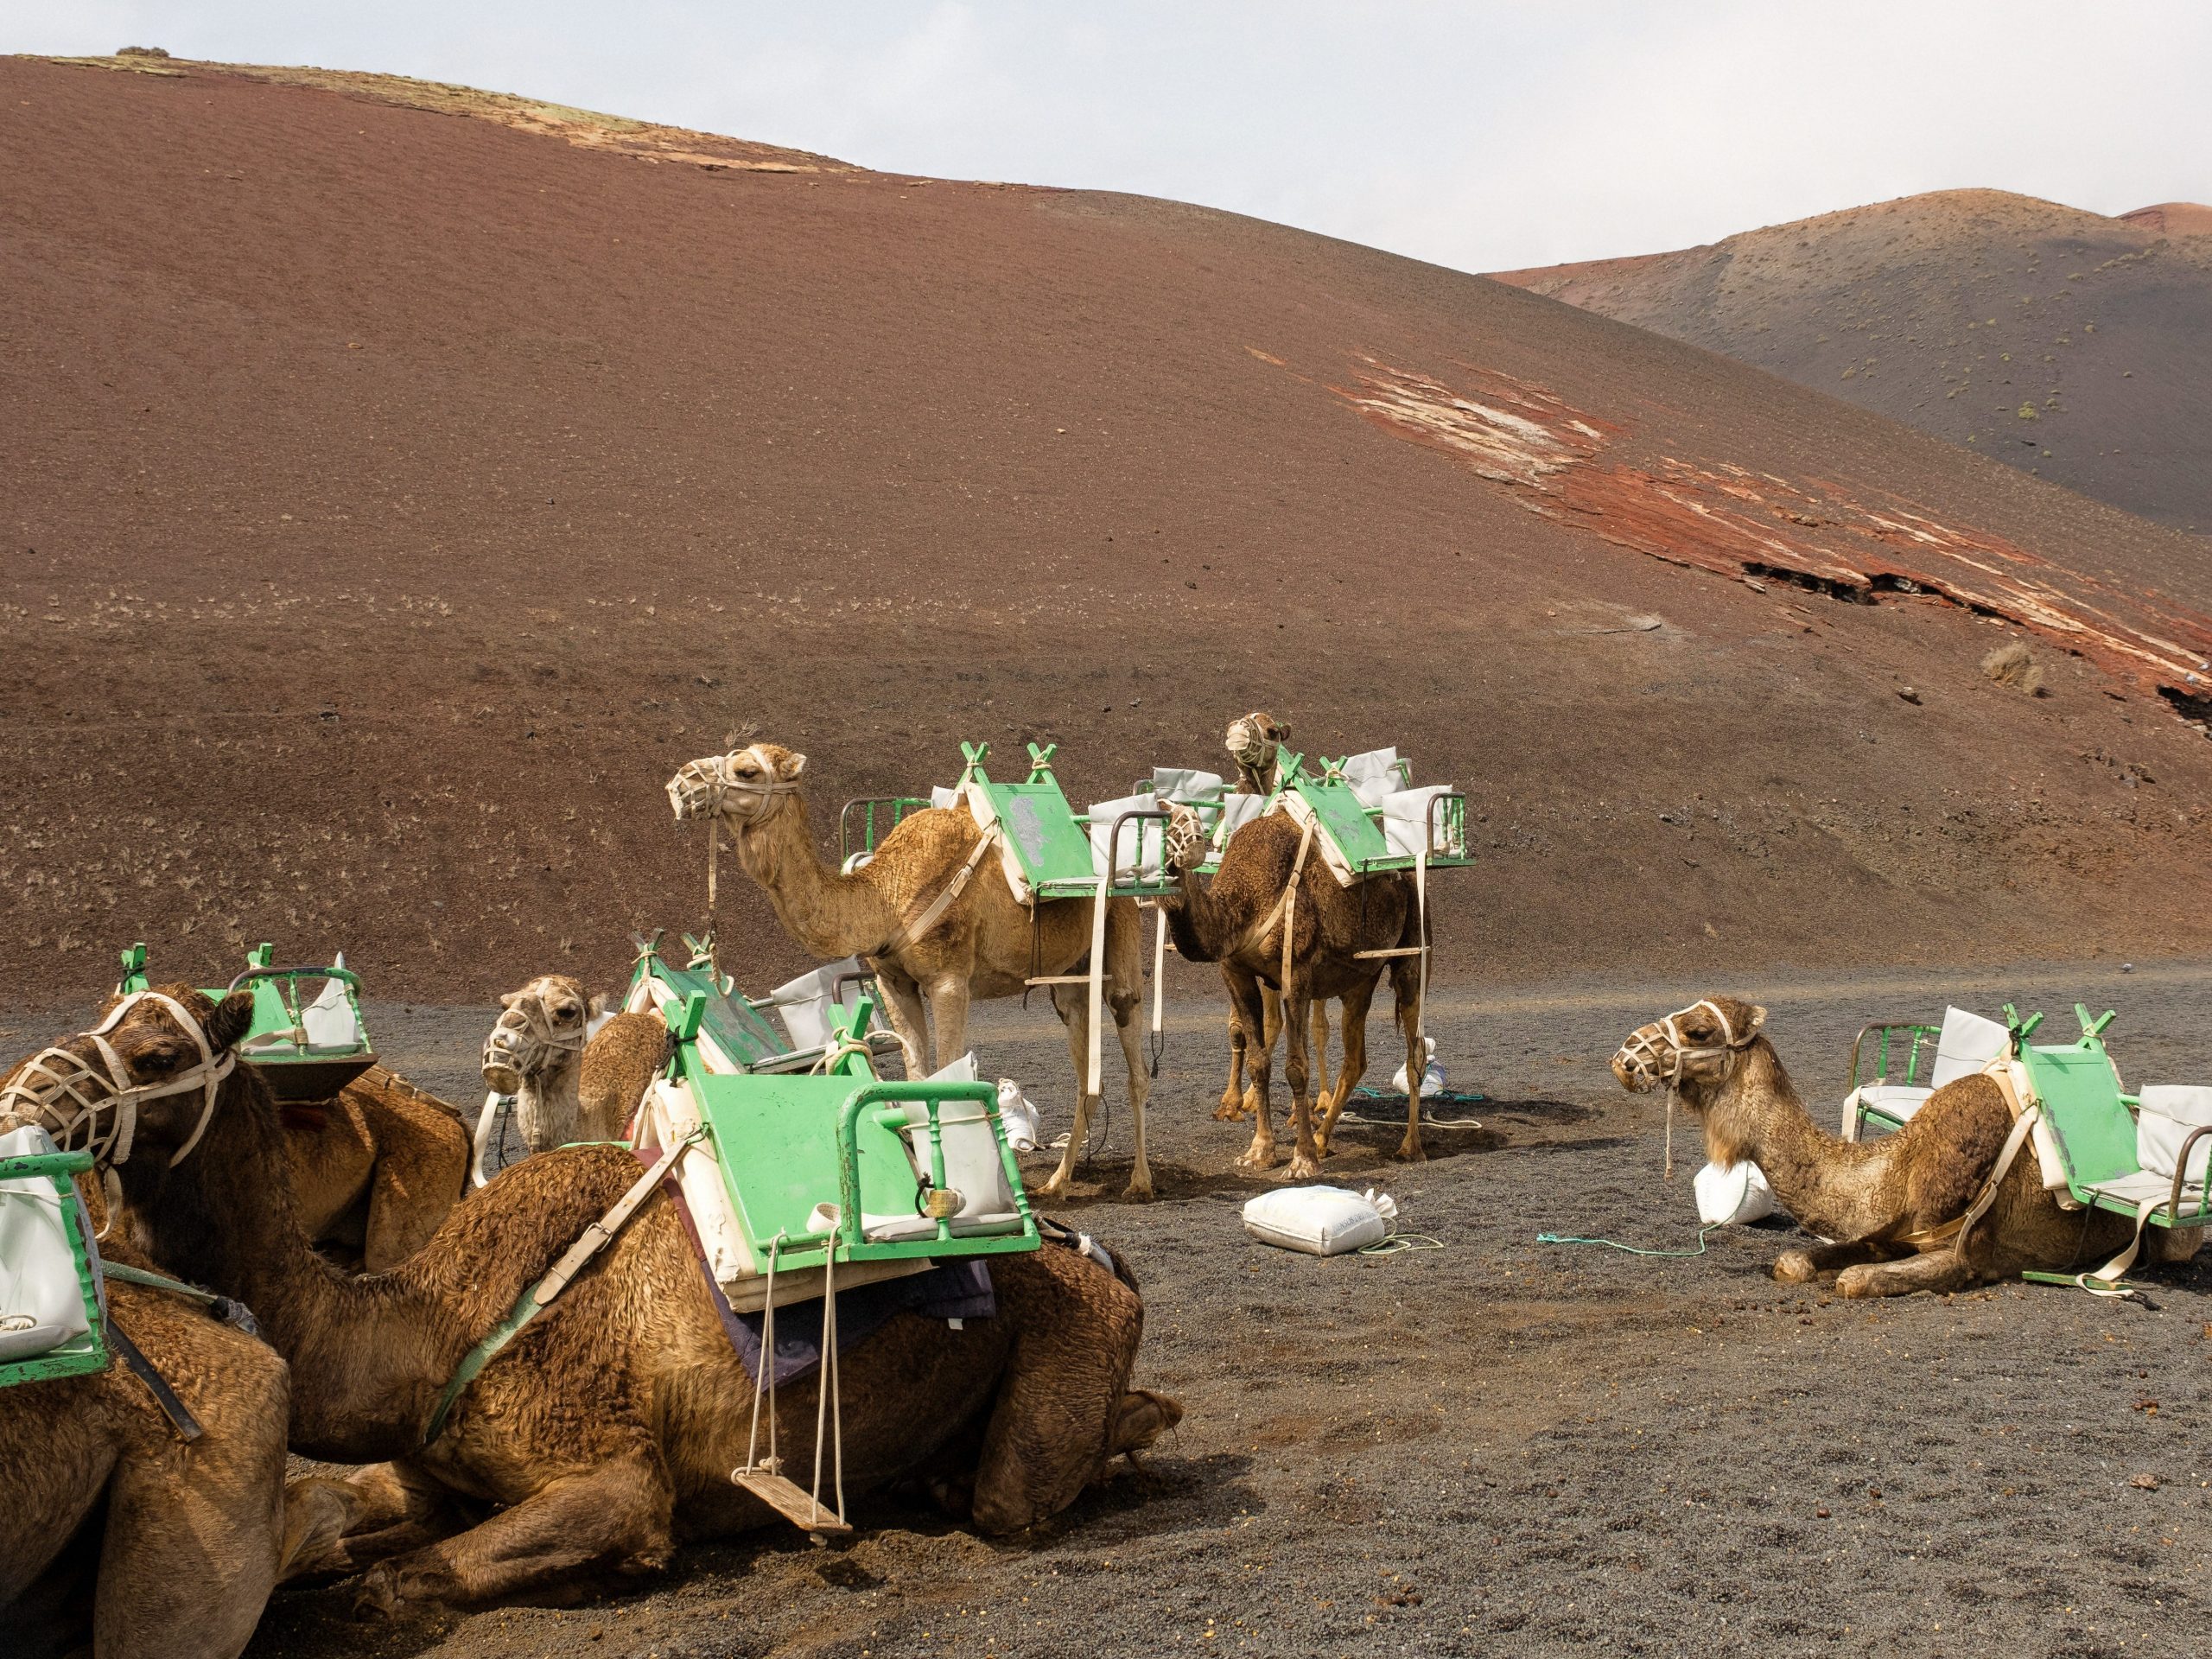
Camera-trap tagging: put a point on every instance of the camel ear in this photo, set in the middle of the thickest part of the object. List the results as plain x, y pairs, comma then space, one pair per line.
1759, 1017
232, 1019
508, 999
792, 765
600, 1004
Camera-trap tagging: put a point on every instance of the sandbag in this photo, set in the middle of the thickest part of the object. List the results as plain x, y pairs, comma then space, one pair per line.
1729, 1195
1320, 1220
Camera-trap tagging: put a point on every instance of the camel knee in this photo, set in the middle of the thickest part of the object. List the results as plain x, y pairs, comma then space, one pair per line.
1793, 1267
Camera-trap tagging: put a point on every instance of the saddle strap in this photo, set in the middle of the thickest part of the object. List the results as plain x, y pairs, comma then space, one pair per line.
1958, 1228
942, 902
180, 1415
535, 1300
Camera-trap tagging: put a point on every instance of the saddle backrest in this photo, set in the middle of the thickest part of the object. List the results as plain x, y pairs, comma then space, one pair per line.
2167, 1114
42, 1301
1968, 1042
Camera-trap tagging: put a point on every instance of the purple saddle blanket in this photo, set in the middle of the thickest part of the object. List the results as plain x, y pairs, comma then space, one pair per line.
952, 1290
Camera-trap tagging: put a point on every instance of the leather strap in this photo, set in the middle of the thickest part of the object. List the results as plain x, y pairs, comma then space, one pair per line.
187, 1426
942, 902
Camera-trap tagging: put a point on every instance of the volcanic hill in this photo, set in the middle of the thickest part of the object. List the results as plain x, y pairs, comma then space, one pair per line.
401, 481
2071, 346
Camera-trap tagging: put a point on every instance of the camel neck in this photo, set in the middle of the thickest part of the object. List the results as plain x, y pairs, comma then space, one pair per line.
1193, 920
830, 914
550, 1104
225, 1218
1756, 1115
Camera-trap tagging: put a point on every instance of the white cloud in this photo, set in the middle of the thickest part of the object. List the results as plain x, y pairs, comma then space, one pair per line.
1479, 135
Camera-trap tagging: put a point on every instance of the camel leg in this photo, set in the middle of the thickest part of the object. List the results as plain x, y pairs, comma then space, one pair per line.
1232, 1097
1803, 1266
1355, 1004
1073, 1007
1405, 987
1062, 1407
902, 1000
948, 1016
1937, 1270
1258, 1062
336, 1527
1297, 1020
1320, 1026
1124, 999
1125, 1019
618, 1513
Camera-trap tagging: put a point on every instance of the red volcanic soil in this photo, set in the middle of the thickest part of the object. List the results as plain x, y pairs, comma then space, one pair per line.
2068, 345
401, 481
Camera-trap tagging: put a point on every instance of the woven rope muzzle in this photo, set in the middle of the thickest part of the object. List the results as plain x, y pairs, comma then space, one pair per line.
56, 1089
703, 789
1651, 1062
525, 1032
1249, 744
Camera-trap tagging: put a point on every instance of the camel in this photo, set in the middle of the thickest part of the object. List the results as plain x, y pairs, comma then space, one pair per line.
375, 1166
1238, 922
935, 939
610, 1425
1887, 1203
571, 1082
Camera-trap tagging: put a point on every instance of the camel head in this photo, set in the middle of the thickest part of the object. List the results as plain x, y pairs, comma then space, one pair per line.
1183, 846
541, 1028
143, 1079
1693, 1051
1253, 740
743, 787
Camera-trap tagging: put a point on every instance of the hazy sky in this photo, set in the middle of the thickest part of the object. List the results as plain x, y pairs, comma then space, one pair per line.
1480, 135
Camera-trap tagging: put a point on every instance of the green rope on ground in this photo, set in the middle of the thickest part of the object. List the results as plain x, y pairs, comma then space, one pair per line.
1633, 1249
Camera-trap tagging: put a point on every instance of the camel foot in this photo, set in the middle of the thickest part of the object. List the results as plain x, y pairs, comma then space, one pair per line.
1139, 1187
1304, 1166
1141, 1417
1411, 1151
1793, 1267
378, 1596
1258, 1157
1056, 1188
1232, 1109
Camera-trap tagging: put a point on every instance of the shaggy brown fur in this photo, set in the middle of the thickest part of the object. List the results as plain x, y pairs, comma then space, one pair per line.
1870, 1196
611, 1424
1229, 922
191, 1541
985, 944
375, 1169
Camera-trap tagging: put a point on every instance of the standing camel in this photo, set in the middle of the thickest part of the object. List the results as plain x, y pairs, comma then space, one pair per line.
1889, 1204
610, 1425
570, 1082
1239, 922
935, 939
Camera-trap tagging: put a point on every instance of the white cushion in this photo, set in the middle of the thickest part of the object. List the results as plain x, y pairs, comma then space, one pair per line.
41, 1303
1897, 1100
329, 1022
803, 1004
1236, 811
1186, 784
1137, 855
2146, 1186
1968, 1044
1405, 821
2169, 1112
1373, 775
973, 1168
943, 797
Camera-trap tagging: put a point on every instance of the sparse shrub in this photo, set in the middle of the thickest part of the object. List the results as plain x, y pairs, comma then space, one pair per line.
2015, 665
2028, 412
142, 52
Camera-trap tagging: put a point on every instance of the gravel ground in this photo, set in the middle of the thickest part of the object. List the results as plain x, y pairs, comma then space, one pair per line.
1509, 1447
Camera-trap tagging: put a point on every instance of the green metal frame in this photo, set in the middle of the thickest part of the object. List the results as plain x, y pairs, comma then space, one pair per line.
1356, 829
1049, 839
89, 1352
786, 1143
893, 808
2092, 1118
738, 1029
292, 1068
1922, 1036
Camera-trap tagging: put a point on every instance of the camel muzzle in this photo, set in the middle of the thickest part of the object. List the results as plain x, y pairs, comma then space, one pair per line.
520, 1043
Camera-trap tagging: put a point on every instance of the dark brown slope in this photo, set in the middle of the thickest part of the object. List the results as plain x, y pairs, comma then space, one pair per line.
2069, 345
393, 500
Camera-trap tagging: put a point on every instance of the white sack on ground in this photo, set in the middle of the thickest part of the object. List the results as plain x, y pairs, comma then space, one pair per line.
1320, 1220
1731, 1195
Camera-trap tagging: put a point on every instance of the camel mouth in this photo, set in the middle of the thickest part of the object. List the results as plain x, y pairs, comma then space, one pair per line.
1634, 1073
501, 1078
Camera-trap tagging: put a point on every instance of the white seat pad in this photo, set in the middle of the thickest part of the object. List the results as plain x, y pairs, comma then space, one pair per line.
1968, 1042
2147, 1186
41, 1304
1897, 1100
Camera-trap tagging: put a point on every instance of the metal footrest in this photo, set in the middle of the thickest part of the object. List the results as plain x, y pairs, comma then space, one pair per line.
1395, 950
1060, 979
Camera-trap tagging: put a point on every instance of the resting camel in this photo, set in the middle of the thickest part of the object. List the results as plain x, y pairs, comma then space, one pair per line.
981, 943
570, 1082
610, 1427
377, 1166
191, 1541
1238, 922
1880, 1199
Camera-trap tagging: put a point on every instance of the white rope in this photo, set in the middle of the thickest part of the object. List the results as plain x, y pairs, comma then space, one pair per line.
764, 1376
106, 1123
829, 1399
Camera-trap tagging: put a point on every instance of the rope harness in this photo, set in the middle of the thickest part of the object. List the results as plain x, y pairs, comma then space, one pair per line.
712, 790
1252, 742
88, 1107
525, 1032
1651, 1064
